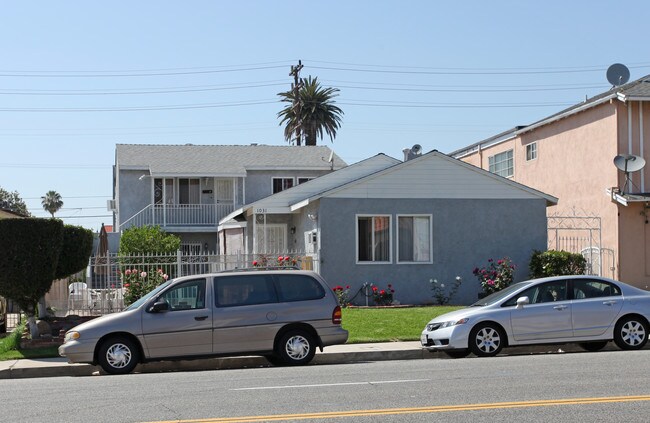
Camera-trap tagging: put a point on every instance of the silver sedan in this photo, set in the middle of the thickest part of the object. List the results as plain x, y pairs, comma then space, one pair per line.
587, 310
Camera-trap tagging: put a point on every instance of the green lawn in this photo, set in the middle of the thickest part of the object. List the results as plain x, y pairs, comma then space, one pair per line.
389, 324
364, 325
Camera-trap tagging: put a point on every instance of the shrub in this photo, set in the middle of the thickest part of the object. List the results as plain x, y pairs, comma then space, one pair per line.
148, 240
75, 251
383, 297
138, 283
265, 260
343, 295
556, 263
442, 294
496, 275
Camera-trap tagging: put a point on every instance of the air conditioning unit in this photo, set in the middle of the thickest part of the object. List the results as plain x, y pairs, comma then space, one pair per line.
110, 205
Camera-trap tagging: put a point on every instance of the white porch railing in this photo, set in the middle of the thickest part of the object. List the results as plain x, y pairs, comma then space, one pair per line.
166, 215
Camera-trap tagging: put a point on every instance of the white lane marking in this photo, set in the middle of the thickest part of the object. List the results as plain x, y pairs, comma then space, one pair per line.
378, 382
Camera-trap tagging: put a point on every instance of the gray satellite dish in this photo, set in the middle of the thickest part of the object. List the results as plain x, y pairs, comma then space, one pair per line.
618, 74
628, 163
416, 149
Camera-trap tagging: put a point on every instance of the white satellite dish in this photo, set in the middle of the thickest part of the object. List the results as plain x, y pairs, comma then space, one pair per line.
628, 163
618, 74
416, 149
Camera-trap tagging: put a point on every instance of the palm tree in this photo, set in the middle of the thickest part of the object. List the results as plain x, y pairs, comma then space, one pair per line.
311, 113
52, 202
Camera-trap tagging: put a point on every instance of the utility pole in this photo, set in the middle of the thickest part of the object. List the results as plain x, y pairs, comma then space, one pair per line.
295, 72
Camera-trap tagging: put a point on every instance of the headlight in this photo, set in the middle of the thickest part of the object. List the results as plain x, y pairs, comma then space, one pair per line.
453, 323
71, 335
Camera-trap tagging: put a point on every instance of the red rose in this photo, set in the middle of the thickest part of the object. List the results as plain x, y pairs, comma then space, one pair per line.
382, 292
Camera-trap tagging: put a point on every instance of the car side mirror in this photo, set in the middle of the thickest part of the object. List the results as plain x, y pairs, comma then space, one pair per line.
159, 307
522, 301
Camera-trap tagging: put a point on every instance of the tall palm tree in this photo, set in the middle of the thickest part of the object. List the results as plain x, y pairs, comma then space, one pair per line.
52, 202
311, 113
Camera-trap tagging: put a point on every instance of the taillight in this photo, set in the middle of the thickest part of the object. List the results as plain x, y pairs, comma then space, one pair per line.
336, 315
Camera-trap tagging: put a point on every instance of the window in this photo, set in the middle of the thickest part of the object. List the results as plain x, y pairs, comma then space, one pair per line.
280, 184
531, 151
542, 293
373, 238
298, 288
244, 290
189, 295
303, 180
593, 289
188, 191
414, 239
502, 164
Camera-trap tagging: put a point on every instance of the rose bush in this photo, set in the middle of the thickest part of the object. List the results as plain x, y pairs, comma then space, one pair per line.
343, 294
137, 283
496, 275
383, 297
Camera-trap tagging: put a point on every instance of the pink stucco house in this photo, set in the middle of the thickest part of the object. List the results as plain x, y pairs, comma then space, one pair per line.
570, 155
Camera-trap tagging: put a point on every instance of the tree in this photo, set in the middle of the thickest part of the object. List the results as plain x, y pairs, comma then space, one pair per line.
34, 252
148, 240
311, 110
12, 201
52, 202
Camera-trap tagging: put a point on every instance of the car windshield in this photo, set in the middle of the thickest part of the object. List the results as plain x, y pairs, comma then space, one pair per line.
499, 295
149, 295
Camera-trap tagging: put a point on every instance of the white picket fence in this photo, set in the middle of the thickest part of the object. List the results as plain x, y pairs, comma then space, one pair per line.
100, 289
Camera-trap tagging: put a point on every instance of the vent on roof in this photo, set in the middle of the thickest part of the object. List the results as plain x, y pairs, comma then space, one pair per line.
413, 152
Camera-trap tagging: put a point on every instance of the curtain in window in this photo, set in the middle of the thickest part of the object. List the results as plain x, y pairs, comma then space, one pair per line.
381, 234
414, 239
405, 247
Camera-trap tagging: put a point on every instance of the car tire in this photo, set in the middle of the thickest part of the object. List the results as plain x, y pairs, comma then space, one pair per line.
631, 333
118, 356
486, 340
593, 346
457, 353
296, 347
274, 360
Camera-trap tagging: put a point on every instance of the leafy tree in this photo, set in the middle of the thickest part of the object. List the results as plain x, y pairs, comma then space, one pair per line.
148, 240
311, 110
52, 202
556, 263
77, 247
12, 201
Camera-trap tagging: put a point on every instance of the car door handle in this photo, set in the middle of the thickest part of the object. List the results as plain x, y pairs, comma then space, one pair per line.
609, 303
200, 317
559, 307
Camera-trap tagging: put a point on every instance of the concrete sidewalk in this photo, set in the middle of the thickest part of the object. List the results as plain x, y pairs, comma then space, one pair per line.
335, 354
51, 367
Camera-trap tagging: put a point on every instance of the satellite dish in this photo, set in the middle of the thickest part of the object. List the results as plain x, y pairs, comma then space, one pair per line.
618, 74
628, 163
416, 149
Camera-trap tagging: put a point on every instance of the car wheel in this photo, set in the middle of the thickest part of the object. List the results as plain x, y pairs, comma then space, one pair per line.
593, 346
118, 356
296, 347
631, 333
486, 340
457, 353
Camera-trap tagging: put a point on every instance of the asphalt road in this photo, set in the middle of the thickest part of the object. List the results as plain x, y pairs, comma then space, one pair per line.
606, 386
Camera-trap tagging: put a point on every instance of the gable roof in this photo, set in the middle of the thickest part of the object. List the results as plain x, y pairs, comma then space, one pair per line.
284, 201
638, 90
222, 160
432, 175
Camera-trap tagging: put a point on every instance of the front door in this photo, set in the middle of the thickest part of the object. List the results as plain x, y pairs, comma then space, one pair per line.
546, 317
186, 328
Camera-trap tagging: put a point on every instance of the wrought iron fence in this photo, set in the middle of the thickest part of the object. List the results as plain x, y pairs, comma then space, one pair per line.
101, 289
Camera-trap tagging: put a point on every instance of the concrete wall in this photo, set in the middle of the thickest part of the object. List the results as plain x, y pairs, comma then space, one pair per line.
466, 233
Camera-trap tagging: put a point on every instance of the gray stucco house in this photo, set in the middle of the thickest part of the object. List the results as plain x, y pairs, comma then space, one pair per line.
384, 221
187, 189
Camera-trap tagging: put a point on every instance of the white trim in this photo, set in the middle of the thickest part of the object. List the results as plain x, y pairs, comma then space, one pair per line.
642, 173
390, 238
273, 178
629, 128
531, 144
231, 225
430, 216
510, 150
299, 205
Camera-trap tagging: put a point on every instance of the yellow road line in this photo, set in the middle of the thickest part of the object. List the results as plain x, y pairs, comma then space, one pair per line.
413, 410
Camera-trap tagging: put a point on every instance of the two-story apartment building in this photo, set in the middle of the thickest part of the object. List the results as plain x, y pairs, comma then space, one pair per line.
187, 189
570, 155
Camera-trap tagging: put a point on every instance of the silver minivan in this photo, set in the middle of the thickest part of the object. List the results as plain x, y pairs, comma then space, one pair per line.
282, 315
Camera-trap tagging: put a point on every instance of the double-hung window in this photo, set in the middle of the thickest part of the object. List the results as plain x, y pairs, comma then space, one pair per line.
373, 239
531, 151
502, 164
280, 184
414, 239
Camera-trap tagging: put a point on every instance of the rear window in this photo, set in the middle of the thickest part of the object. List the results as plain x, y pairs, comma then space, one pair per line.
298, 288
241, 290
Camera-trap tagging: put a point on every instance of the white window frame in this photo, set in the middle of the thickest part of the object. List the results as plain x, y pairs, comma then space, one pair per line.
531, 151
497, 159
390, 239
303, 179
293, 181
430, 260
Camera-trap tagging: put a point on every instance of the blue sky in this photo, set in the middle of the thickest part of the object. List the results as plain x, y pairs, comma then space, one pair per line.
78, 77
